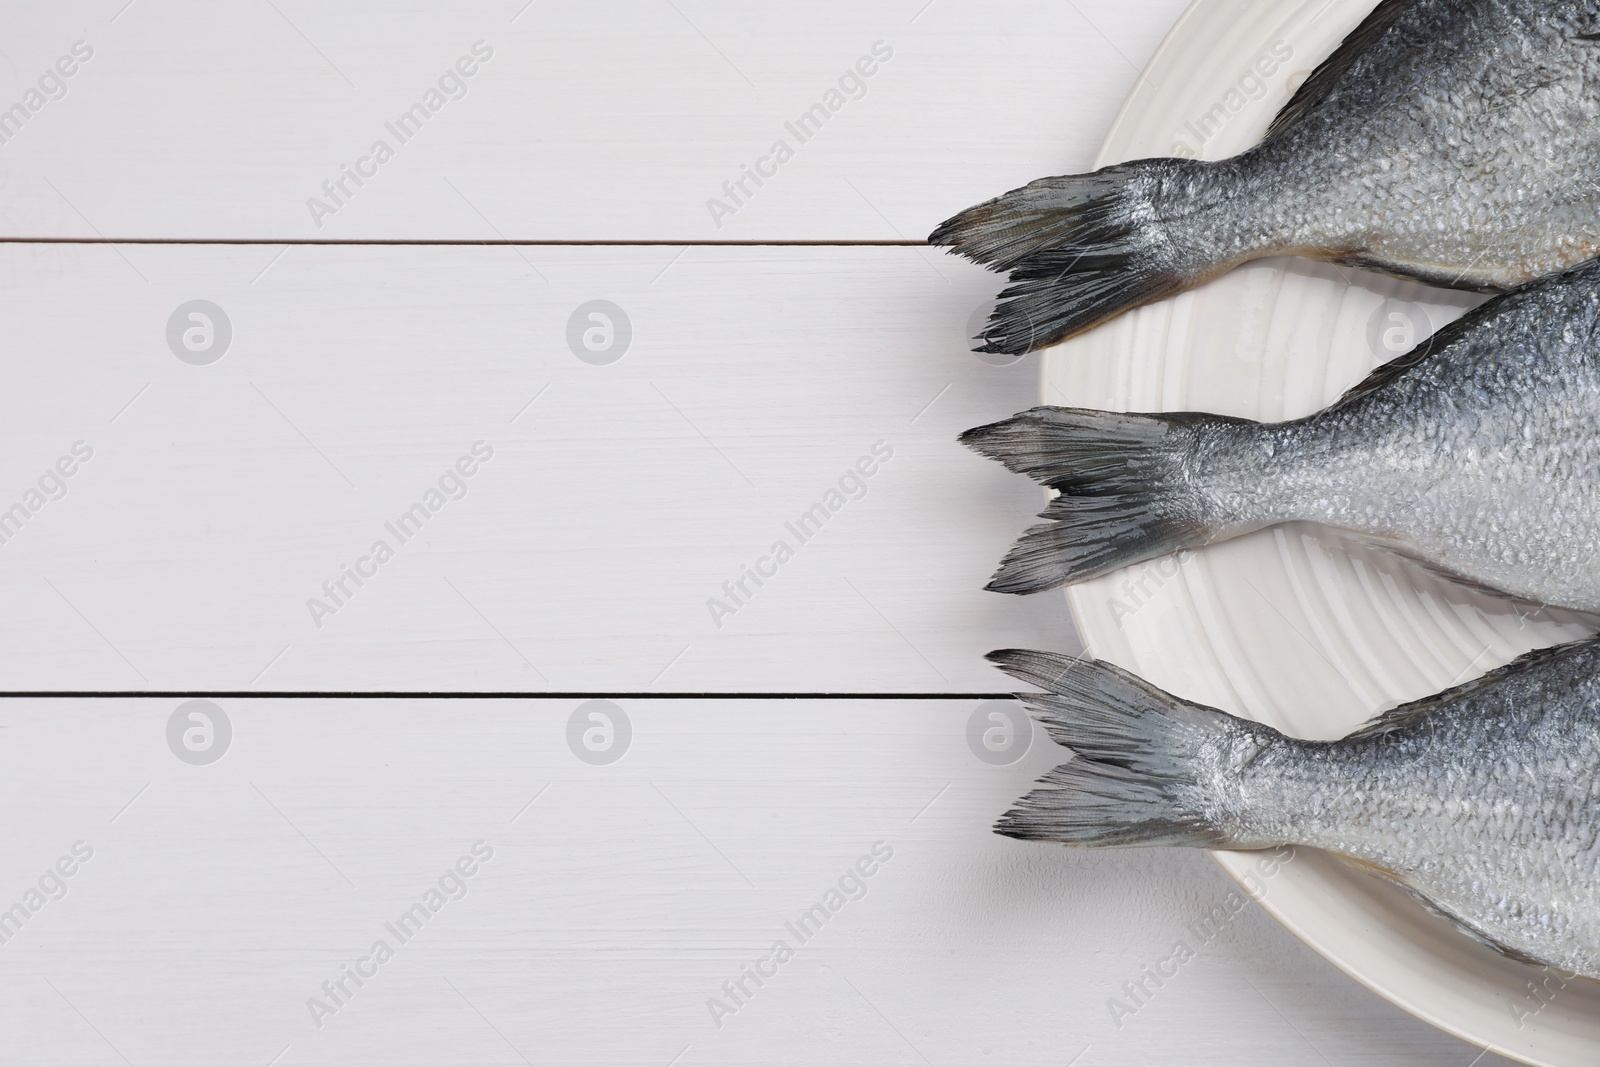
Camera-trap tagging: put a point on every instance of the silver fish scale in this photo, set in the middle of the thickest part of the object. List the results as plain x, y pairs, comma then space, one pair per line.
1482, 460
1427, 156
1484, 804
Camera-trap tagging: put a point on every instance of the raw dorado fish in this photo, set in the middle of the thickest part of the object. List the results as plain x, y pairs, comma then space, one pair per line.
1478, 453
1482, 801
1452, 141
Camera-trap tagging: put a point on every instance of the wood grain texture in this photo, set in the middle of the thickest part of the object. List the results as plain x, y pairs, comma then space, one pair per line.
586, 554
614, 908
590, 121
618, 499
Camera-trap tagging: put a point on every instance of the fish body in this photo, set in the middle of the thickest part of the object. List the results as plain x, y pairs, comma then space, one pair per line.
1482, 800
1477, 453
1452, 141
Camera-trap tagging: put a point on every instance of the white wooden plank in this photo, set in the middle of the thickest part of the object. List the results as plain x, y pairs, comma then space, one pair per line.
218, 498
586, 553
218, 899
589, 121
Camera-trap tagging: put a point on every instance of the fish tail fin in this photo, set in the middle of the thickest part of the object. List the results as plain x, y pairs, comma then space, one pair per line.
1086, 247
1056, 295
1098, 214
1129, 489
1150, 768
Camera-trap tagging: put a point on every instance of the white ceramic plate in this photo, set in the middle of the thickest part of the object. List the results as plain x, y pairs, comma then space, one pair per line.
1296, 626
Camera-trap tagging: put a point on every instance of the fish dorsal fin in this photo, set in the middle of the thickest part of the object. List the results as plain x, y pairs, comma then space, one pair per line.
1433, 345
1447, 335
1397, 717
1327, 75
1388, 372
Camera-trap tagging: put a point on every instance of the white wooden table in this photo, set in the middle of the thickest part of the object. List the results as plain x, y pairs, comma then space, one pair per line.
389, 349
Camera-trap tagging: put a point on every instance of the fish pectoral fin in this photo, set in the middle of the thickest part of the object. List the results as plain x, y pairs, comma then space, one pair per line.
1587, 38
